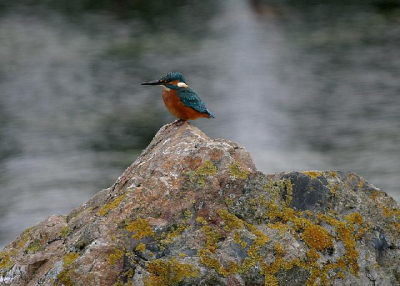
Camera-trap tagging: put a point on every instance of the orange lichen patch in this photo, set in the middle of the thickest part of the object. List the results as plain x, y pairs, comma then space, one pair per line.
345, 233
115, 256
351, 255
269, 270
386, 212
354, 218
312, 174
171, 272
375, 194
141, 227
208, 259
317, 237
282, 227
313, 255
289, 193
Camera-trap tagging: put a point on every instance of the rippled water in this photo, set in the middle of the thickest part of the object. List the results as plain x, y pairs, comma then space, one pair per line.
300, 86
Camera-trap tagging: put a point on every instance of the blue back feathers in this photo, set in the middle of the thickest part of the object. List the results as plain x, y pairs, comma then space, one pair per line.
190, 99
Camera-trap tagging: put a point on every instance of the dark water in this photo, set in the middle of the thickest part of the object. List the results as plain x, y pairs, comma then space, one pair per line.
302, 87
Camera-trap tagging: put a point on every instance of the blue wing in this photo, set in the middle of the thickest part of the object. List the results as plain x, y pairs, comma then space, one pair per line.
190, 99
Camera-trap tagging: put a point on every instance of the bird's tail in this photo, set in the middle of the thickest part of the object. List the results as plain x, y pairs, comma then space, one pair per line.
210, 114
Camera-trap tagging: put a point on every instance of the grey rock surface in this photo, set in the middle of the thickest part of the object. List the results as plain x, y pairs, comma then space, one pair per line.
195, 211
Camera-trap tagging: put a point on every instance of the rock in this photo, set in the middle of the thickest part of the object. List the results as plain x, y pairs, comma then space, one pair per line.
195, 211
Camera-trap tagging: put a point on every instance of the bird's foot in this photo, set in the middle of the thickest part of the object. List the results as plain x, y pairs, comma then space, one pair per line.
180, 122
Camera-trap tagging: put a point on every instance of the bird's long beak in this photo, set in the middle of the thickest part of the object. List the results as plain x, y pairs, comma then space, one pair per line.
153, 82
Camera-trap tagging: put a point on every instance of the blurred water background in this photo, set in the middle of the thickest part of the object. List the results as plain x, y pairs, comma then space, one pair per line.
301, 84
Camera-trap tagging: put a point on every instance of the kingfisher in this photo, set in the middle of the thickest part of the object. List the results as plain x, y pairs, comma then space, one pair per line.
179, 99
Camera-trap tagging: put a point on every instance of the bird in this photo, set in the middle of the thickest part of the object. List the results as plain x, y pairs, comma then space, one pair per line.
181, 101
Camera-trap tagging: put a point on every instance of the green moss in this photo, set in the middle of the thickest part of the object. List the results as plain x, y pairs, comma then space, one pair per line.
63, 278
70, 258
112, 205
33, 246
65, 231
171, 272
238, 172
23, 238
140, 227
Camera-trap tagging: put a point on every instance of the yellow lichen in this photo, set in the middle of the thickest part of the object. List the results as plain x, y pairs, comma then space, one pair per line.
282, 227
141, 227
202, 172
289, 193
269, 270
141, 247
231, 221
238, 172
115, 256
333, 173
312, 174
188, 215
345, 233
207, 259
212, 237
171, 272
112, 205
5, 262
238, 240
317, 237
174, 232
354, 218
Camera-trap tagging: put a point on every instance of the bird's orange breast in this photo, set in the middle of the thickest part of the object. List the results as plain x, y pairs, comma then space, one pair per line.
175, 106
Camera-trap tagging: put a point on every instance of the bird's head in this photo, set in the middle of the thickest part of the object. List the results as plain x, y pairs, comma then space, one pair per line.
172, 80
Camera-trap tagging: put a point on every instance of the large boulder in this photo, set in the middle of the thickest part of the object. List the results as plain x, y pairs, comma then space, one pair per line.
195, 211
